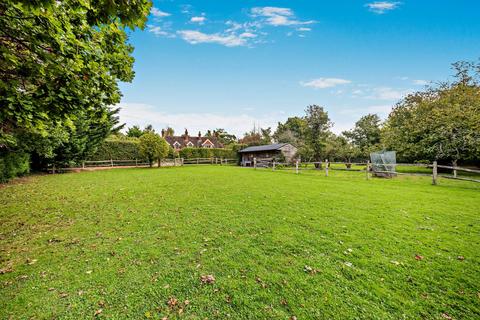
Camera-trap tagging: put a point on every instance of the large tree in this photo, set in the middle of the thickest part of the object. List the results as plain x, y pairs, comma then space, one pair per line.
62, 59
440, 123
317, 131
366, 134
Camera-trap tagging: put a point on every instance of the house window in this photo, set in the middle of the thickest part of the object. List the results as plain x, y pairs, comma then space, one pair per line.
176, 145
189, 144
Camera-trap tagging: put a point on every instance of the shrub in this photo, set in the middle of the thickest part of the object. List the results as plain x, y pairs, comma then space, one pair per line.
153, 147
118, 149
13, 164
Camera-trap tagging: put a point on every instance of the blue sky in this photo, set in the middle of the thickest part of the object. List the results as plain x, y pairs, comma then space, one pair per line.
229, 64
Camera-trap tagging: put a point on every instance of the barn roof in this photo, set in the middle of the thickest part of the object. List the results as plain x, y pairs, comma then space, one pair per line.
268, 147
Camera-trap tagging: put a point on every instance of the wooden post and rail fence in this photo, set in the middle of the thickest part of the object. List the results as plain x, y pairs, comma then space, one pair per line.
298, 166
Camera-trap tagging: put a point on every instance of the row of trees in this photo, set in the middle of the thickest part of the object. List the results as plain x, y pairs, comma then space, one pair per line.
59, 73
441, 123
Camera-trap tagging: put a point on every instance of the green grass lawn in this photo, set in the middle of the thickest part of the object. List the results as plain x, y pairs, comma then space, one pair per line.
134, 243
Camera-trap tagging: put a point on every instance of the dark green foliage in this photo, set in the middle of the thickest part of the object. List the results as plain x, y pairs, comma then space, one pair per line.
440, 123
60, 65
134, 132
207, 153
366, 134
13, 164
317, 131
117, 149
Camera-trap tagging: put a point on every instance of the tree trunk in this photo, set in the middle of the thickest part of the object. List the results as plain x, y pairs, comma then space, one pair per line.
454, 164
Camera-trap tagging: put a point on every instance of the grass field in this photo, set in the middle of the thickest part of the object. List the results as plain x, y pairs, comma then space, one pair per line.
134, 243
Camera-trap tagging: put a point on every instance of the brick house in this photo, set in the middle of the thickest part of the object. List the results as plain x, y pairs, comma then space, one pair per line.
186, 141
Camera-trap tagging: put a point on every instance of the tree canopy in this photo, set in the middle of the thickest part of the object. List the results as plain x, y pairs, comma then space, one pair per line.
440, 123
59, 72
153, 147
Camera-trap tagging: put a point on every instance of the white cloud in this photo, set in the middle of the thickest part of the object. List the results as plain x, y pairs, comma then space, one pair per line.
420, 82
276, 16
159, 13
143, 114
158, 31
304, 29
248, 35
199, 20
322, 83
228, 40
381, 7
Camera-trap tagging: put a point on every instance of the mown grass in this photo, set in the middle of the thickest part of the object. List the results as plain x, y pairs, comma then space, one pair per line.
124, 242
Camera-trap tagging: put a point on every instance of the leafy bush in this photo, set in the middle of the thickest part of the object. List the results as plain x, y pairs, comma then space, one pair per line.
13, 164
153, 147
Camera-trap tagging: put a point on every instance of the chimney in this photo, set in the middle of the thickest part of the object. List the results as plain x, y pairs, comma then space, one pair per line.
199, 134
185, 136
163, 133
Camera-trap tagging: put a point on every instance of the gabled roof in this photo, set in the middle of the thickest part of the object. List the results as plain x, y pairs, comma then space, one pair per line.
184, 141
268, 147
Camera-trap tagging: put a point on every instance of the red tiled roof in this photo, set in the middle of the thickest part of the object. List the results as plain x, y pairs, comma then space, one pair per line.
198, 142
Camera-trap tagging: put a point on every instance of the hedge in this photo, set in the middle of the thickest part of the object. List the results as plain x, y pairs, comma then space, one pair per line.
117, 150
122, 149
13, 164
189, 153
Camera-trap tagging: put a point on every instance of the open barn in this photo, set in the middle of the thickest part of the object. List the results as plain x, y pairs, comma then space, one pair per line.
277, 151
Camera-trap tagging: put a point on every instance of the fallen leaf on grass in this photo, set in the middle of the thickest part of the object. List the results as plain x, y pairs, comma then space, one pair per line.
349, 264
418, 257
395, 262
89, 271
310, 270
260, 281
63, 295
97, 312
461, 258
207, 279
293, 318
30, 262
172, 302
446, 316
6, 269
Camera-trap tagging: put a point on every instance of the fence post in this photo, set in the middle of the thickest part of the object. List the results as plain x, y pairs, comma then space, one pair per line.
181, 159
83, 164
273, 165
255, 163
296, 167
326, 167
111, 162
455, 170
434, 173
367, 169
